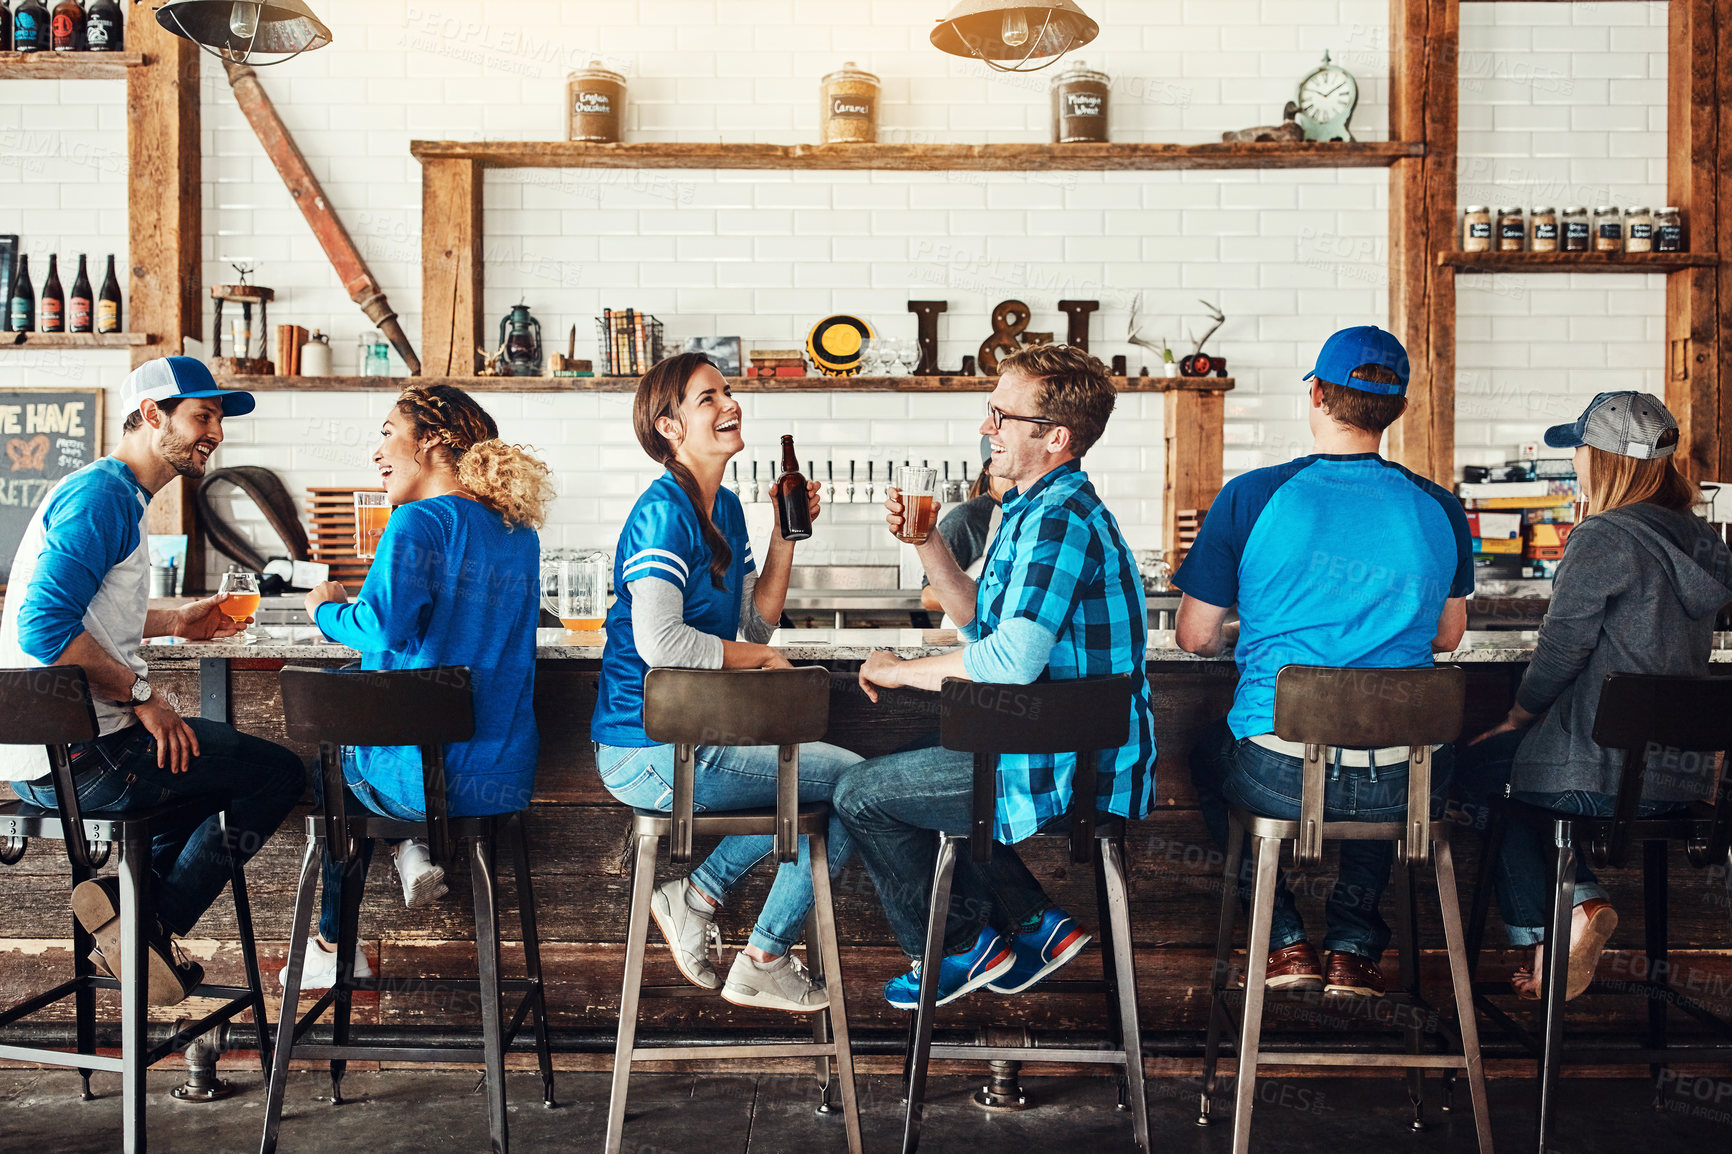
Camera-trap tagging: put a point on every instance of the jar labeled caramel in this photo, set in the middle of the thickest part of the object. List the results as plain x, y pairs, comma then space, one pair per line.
1577, 229
1669, 230
1079, 106
1511, 230
595, 104
1639, 230
1608, 229
849, 112
1476, 228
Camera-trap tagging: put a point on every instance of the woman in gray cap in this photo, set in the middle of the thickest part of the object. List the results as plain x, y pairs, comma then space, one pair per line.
1640, 584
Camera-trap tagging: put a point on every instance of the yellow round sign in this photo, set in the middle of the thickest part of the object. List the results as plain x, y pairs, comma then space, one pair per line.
836, 343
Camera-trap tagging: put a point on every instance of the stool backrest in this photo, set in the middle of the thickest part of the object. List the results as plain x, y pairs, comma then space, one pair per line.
1368, 709
428, 708
51, 707
686, 708
1653, 718
1087, 717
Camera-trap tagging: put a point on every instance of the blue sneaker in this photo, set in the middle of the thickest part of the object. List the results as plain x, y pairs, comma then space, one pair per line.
958, 974
1040, 951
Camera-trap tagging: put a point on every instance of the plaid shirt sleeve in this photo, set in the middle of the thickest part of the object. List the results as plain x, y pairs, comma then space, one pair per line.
1055, 560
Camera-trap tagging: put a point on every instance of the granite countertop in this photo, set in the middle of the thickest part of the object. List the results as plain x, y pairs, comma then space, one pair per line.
303, 643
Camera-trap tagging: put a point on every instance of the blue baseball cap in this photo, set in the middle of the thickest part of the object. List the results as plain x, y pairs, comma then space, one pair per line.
175, 378
1350, 350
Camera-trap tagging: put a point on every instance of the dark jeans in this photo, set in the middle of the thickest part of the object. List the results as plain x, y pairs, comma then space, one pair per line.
894, 807
255, 781
1523, 869
331, 871
1231, 772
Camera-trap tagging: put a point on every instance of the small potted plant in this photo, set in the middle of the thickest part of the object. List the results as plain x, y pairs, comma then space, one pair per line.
1169, 364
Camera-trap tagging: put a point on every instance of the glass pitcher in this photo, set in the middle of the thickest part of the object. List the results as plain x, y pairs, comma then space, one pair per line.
574, 589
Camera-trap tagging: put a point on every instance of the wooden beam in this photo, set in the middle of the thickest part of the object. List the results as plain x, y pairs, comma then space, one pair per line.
1694, 329
1625, 262
73, 340
1424, 60
164, 190
739, 384
1196, 441
68, 65
452, 271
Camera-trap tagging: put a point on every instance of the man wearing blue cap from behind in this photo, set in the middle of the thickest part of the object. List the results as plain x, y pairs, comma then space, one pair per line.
1340, 558
79, 595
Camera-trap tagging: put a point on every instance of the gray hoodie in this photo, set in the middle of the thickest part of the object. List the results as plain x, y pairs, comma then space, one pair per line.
1637, 591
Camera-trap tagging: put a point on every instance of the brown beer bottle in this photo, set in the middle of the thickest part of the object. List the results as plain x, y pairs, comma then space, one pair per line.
793, 508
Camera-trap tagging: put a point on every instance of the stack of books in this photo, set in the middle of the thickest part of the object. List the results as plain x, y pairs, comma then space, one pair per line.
776, 363
629, 341
1519, 525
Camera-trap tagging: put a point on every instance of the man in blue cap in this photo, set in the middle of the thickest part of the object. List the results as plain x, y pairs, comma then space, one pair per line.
79, 595
1340, 558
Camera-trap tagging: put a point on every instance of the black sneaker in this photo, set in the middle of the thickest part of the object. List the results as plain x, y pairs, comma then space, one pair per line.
96, 905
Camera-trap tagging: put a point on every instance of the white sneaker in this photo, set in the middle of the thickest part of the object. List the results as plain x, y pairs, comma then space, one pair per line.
781, 985
690, 936
423, 881
319, 968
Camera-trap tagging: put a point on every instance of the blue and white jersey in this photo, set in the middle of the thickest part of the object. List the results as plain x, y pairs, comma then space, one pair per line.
1332, 560
663, 539
83, 566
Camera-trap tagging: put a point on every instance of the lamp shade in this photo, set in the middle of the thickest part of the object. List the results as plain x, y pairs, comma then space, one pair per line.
241, 30
993, 31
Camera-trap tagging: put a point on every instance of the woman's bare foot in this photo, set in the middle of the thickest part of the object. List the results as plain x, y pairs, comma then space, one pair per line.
1591, 923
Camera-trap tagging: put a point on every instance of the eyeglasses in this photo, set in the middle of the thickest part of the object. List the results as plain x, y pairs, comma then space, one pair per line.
998, 417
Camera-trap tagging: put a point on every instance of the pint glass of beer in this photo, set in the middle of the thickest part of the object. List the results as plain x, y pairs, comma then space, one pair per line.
574, 589
919, 489
372, 509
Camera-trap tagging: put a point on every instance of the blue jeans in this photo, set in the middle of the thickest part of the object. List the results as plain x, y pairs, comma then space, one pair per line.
894, 807
1228, 771
1523, 870
740, 777
330, 871
256, 782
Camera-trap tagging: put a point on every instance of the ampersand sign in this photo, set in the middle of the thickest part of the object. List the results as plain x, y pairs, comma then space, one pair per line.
1009, 320
28, 456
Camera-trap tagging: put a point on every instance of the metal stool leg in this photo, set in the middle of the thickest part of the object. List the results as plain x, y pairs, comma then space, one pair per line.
1218, 1010
643, 872
930, 960
1109, 975
348, 941
830, 954
1654, 938
485, 887
84, 1000
135, 906
1125, 978
1461, 983
1482, 888
249, 948
1557, 976
532, 954
290, 1012
1267, 855
1407, 950
820, 1022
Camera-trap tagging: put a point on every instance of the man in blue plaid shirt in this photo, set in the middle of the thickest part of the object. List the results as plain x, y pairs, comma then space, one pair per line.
1059, 599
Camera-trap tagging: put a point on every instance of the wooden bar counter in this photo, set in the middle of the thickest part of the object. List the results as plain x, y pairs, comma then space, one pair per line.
578, 843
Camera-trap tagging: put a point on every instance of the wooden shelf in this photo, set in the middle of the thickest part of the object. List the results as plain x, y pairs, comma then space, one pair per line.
68, 65
74, 340
393, 385
916, 157
1576, 261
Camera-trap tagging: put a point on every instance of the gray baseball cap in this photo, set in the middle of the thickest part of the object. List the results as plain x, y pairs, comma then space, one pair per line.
1630, 424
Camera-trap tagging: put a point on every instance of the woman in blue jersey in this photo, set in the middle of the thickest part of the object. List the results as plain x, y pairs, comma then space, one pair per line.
455, 582
688, 591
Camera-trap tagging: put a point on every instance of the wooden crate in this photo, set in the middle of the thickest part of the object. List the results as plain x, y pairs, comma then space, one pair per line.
331, 531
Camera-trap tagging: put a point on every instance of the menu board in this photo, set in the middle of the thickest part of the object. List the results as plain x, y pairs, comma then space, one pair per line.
46, 434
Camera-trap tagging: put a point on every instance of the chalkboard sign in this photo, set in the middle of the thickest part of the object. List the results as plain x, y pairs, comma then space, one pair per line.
46, 434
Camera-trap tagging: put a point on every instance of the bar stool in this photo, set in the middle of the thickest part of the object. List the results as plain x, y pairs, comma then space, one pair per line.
686, 708
427, 708
1085, 717
1638, 715
1348, 709
51, 707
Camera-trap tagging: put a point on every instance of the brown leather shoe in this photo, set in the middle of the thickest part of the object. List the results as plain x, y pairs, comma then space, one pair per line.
1294, 968
1353, 974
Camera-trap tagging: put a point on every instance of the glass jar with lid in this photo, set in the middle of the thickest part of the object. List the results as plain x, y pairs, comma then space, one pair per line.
1669, 230
1608, 229
1577, 229
1476, 228
1639, 229
849, 112
1512, 230
1079, 105
595, 104
1544, 225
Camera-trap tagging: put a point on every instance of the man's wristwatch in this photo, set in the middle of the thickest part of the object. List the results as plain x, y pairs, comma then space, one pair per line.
141, 691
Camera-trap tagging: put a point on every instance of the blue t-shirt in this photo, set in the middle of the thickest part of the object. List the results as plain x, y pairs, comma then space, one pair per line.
663, 539
1332, 560
452, 584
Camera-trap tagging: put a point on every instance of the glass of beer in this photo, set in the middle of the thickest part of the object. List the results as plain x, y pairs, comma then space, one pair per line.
574, 589
240, 600
372, 510
919, 489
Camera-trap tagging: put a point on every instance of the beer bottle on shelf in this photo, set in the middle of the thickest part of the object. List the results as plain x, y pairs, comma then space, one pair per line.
66, 28
81, 306
792, 507
21, 300
108, 302
53, 299
30, 27
104, 29
5, 27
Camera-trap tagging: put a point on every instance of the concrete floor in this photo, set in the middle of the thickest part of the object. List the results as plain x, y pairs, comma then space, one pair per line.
418, 1111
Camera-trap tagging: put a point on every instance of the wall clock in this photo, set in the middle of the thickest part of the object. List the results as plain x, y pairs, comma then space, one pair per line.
1326, 101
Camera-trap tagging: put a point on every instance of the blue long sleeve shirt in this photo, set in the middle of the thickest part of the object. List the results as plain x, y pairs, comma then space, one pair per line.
453, 585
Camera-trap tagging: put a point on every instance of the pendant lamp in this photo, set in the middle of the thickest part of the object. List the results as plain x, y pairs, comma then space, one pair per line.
243, 31
1011, 37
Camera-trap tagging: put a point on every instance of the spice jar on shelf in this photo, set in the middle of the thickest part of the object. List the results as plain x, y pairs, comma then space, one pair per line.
1544, 223
1639, 229
1476, 228
1577, 229
595, 104
1079, 105
1669, 230
1608, 229
1512, 230
849, 112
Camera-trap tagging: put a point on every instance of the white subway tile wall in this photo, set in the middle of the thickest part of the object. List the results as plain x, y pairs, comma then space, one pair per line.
1561, 103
